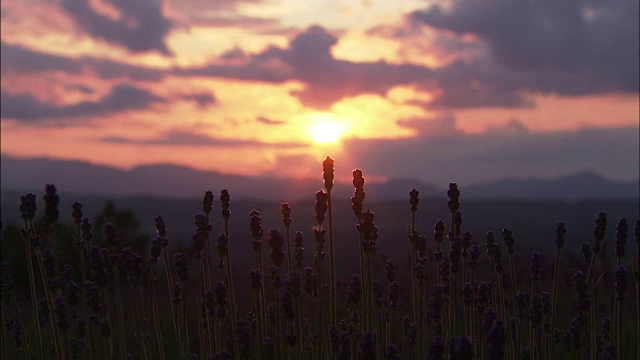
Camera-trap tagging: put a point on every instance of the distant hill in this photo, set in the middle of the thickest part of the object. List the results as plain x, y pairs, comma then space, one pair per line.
586, 185
163, 180
173, 181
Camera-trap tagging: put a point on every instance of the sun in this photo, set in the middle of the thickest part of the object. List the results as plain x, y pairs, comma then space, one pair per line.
326, 132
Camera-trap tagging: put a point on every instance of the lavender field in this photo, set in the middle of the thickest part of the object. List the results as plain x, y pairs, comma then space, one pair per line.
73, 288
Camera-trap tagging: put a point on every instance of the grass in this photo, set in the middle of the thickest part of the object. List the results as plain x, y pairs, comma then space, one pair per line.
455, 296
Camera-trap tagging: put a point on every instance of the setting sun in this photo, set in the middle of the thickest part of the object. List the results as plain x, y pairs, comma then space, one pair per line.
326, 132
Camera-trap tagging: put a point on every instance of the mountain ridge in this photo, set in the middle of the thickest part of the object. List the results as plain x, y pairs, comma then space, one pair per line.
179, 181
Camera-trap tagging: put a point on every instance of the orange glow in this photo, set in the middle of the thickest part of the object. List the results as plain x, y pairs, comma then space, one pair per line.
327, 132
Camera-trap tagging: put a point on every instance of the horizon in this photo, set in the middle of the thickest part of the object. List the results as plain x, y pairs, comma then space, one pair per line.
433, 91
178, 181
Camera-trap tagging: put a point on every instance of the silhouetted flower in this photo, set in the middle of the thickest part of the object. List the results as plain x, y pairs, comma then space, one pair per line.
161, 227
276, 243
223, 245
321, 206
358, 196
369, 232
561, 231
599, 231
474, 253
256, 280
535, 311
28, 206
437, 348
256, 230
286, 215
368, 346
391, 353
181, 266
507, 236
414, 200
491, 243
51, 200
536, 263
110, 233
207, 202
454, 198
494, 345
394, 293
620, 284
225, 203
622, 232
457, 223
391, 270
438, 231
460, 348
328, 172
154, 252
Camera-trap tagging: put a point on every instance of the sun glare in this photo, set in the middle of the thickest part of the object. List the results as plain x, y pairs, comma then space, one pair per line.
326, 132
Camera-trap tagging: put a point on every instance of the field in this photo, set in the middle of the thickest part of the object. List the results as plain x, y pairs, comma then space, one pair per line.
423, 278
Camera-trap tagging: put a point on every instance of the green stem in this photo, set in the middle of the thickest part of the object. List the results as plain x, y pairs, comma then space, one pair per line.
156, 316
332, 264
119, 308
289, 264
232, 299
260, 337
4, 346
34, 297
170, 287
187, 343
555, 294
473, 310
52, 315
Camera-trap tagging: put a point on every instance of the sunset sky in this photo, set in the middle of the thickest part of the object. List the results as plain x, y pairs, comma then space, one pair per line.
467, 91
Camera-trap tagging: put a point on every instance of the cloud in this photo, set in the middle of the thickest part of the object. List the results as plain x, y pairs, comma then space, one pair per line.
432, 127
562, 47
26, 107
17, 59
202, 99
181, 137
233, 20
329, 80
140, 25
267, 121
510, 150
81, 88
515, 56
308, 59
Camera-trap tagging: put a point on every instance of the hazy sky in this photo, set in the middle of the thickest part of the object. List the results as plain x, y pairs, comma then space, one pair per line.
467, 90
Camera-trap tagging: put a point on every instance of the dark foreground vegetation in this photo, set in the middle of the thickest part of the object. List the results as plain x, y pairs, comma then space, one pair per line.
101, 291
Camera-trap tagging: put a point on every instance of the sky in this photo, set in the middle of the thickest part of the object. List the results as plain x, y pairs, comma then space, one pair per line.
440, 91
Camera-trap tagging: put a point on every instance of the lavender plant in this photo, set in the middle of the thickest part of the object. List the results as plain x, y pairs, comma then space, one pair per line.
454, 303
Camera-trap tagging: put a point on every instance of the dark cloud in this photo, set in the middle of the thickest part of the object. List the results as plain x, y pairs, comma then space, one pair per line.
265, 120
329, 80
81, 88
504, 151
16, 59
141, 27
233, 20
234, 54
564, 47
522, 49
203, 99
180, 137
26, 107
250, 69
196, 6
431, 128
